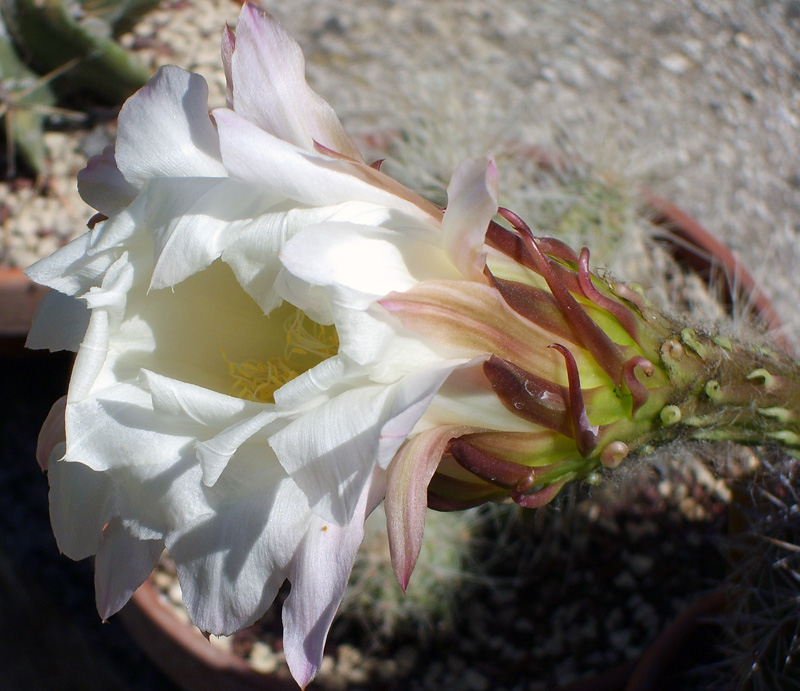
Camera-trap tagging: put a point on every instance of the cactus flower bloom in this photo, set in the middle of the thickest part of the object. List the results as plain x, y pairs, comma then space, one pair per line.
186, 422
272, 336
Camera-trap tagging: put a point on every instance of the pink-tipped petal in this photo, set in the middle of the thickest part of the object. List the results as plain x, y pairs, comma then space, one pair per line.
472, 202
474, 317
270, 88
319, 574
228, 46
410, 474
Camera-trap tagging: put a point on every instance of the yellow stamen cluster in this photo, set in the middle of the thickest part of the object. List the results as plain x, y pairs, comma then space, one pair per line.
307, 344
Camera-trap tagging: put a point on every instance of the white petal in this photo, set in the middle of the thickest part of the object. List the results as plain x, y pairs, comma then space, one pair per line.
117, 427
60, 323
331, 451
319, 574
253, 255
79, 533
210, 410
165, 131
471, 204
154, 500
91, 357
71, 269
119, 231
107, 302
53, 435
254, 155
123, 563
215, 453
232, 561
102, 185
194, 219
313, 387
369, 261
336, 272
270, 89
224, 423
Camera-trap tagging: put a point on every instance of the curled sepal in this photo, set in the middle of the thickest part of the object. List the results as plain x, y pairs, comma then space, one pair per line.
592, 337
637, 389
585, 434
409, 475
511, 244
622, 314
539, 498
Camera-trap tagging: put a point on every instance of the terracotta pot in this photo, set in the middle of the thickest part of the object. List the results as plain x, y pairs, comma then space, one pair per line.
184, 654
697, 249
19, 297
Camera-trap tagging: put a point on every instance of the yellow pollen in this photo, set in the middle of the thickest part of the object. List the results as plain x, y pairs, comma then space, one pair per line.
307, 344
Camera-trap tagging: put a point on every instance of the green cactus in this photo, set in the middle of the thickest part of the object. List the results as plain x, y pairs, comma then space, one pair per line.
23, 97
73, 46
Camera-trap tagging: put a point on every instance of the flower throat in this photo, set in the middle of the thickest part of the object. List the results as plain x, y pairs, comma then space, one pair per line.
307, 344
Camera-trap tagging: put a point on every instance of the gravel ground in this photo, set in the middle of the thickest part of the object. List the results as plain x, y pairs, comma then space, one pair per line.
698, 100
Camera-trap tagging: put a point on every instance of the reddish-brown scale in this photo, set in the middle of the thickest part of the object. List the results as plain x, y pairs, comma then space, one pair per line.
585, 434
530, 397
622, 314
497, 471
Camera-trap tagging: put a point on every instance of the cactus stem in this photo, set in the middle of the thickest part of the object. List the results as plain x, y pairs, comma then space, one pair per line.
786, 437
778, 413
713, 390
690, 340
